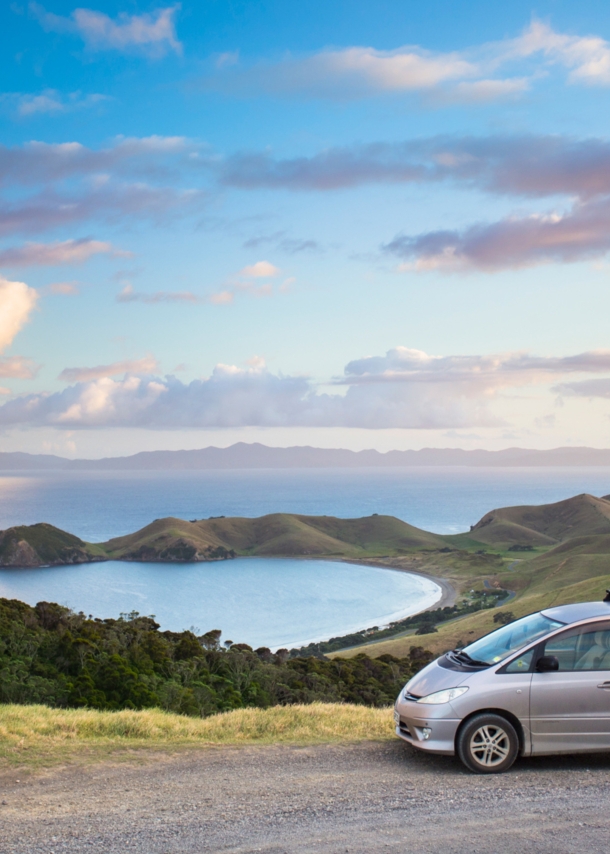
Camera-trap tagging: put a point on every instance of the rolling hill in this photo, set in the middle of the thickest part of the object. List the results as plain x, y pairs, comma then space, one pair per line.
43, 545
176, 540
546, 524
562, 554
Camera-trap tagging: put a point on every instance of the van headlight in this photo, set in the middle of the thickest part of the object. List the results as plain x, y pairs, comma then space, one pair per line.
441, 697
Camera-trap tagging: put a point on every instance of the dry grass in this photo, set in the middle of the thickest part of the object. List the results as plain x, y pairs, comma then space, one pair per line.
38, 735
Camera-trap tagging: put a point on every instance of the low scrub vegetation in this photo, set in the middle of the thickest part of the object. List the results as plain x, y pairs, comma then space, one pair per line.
50, 655
424, 623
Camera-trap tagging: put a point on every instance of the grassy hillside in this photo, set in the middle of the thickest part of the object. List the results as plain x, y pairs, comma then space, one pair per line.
547, 524
575, 571
176, 540
42, 544
543, 554
167, 540
278, 534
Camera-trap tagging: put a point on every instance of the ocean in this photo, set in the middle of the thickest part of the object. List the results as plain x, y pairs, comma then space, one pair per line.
257, 600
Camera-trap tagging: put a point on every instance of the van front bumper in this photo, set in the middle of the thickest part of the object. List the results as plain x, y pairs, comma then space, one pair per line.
434, 735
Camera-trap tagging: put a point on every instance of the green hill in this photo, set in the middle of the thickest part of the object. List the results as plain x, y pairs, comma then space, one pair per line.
177, 541
42, 544
545, 524
275, 535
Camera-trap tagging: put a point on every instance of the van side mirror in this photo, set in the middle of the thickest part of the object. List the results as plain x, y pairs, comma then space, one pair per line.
547, 663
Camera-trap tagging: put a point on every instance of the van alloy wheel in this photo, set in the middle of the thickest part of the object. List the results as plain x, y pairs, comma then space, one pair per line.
488, 744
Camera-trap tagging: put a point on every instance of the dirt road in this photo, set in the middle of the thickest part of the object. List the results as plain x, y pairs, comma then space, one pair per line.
351, 799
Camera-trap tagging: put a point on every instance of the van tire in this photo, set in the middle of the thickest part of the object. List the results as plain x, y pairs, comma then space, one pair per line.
487, 744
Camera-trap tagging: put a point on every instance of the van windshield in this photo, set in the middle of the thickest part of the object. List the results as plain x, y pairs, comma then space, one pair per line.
498, 645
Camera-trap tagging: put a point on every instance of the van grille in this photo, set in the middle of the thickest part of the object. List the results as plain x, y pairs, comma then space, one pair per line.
402, 726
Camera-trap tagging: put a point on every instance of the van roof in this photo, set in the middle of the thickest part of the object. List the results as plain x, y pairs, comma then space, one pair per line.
580, 611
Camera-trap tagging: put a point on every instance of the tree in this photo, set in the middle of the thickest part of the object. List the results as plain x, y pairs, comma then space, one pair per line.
504, 617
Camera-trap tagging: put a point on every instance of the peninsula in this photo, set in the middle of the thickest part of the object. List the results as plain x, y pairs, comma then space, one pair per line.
542, 554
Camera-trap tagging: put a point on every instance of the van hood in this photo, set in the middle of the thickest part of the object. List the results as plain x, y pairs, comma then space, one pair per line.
435, 678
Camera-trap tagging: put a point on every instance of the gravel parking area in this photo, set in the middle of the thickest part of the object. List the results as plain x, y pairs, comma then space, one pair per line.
372, 797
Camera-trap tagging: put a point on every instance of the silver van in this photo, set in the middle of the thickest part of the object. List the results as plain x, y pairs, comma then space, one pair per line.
538, 685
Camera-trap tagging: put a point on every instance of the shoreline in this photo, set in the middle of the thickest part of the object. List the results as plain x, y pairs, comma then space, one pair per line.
448, 592
447, 598
444, 594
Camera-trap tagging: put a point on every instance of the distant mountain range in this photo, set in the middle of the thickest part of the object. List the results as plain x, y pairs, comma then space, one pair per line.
257, 456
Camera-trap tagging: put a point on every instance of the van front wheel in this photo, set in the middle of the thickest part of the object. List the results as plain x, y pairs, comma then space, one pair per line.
488, 744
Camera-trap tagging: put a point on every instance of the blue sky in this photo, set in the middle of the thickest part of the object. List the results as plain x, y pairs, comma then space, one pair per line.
344, 224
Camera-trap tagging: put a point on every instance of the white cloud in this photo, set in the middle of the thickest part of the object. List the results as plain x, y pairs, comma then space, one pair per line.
153, 34
460, 76
588, 56
352, 72
482, 373
52, 102
406, 389
485, 91
584, 388
17, 302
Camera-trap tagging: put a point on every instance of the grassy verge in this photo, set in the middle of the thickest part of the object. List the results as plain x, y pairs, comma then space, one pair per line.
38, 736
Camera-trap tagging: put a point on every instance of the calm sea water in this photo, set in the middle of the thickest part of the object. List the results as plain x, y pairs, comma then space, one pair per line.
264, 602
97, 506
271, 602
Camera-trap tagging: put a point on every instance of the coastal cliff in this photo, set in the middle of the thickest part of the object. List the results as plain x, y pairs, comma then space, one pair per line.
43, 545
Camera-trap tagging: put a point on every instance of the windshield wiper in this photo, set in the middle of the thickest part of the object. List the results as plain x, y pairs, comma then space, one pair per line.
463, 656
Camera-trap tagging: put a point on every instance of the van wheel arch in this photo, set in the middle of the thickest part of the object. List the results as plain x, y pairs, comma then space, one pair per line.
512, 719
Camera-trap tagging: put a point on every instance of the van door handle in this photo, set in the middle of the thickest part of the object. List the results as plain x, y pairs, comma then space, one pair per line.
605, 686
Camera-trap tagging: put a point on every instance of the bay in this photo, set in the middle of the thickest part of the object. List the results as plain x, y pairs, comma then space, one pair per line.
258, 601
274, 602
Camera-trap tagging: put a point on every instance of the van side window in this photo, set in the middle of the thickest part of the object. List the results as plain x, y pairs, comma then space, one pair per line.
521, 664
582, 648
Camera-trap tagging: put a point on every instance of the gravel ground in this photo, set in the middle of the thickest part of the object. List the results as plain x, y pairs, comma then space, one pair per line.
373, 797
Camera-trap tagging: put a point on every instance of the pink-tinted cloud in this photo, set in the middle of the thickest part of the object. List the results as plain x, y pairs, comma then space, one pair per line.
50, 210
64, 288
18, 368
404, 364
526, 165
128, 294
41, 162
580, 234
54, 254
147, 365
260, 270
